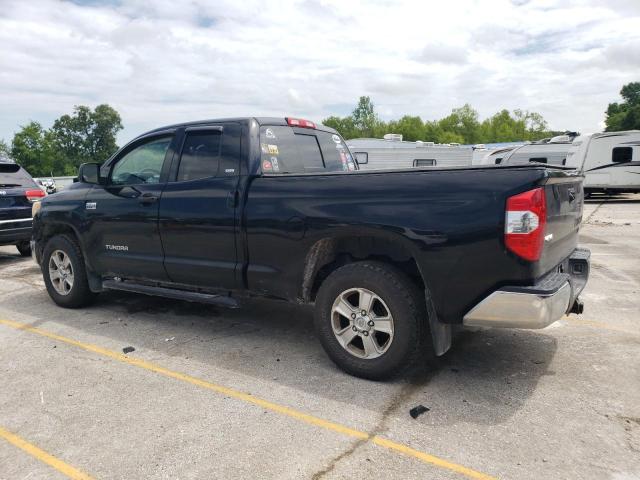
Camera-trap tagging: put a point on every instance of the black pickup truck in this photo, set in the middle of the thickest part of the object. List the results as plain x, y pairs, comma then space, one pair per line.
215, 210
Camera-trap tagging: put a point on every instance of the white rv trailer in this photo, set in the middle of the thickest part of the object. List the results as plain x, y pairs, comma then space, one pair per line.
492, 156
392, 152
610, 161
552, 151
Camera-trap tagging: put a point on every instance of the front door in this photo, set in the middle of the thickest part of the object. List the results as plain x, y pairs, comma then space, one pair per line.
198, 208
122, 214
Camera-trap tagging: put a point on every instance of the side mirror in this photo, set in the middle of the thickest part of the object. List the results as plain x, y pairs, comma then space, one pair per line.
89, 173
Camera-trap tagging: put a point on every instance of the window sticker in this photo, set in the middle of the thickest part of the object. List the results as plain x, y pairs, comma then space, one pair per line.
272, 149
274, 164
352, 167
269, 133
264, 147
336, 138
267, 166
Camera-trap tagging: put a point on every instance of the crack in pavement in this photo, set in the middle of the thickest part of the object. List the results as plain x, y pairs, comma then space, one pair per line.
416, 381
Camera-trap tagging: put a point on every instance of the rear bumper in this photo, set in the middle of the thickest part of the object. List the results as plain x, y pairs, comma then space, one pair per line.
535, 306
15, 230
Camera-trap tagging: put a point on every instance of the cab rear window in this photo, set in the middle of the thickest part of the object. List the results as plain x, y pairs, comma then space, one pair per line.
302, 150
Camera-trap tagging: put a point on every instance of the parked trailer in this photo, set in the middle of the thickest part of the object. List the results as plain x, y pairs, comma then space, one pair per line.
610, 161
392, 152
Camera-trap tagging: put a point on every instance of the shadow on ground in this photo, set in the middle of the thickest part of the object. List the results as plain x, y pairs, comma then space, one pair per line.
491, 372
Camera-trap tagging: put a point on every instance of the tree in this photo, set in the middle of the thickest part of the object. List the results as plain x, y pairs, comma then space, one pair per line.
464, 123
5, 149
411, 128
87, 136
625, 115
84, 136
365, 118
28, 149
344, 126
461, 126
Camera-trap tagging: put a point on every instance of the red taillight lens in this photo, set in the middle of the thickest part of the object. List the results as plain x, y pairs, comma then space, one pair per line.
298, 122
33, 195
524, 224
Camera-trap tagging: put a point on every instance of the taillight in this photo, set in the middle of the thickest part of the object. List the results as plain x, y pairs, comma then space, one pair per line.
34, 195
298, 122
525, 219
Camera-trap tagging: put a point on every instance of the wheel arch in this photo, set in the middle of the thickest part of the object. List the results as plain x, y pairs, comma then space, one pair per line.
49, 230
330, 253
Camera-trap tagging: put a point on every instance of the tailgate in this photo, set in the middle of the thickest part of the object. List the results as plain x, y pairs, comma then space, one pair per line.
564, 199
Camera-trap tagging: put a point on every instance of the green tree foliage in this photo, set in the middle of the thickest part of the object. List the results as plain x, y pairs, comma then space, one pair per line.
5, 149
461, 126
364, 117
625, 115
84, 136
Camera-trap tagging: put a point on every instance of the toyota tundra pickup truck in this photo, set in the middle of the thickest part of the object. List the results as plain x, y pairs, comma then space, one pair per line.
214, 211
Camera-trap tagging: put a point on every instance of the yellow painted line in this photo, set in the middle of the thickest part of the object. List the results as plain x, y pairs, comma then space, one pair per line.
43, 456
595, 324
274, 407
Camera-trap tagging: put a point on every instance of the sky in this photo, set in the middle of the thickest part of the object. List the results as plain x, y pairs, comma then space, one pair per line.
164, 61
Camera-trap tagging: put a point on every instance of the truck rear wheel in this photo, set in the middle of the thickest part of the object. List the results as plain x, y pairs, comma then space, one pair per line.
371, 319
64, 273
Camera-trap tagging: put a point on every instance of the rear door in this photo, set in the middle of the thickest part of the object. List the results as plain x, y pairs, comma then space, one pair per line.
199, 208
122, 215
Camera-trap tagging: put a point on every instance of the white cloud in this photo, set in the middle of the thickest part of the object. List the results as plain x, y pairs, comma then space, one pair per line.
165, 61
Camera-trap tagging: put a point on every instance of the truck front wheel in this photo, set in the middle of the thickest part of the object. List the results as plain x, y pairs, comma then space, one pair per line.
371, 319
64, 273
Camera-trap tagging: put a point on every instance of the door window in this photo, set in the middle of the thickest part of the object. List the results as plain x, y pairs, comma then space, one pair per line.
141, 165
200, 155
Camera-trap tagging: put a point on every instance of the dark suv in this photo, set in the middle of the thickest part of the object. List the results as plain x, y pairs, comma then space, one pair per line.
18, 191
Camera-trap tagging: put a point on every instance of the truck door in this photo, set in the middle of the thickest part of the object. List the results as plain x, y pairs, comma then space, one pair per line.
122, 215
198, 208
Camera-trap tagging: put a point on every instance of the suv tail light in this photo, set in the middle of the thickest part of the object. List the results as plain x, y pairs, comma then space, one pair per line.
34, 195
299, 122
524, 225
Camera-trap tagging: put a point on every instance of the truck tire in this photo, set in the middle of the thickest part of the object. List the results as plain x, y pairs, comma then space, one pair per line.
64, 272
24, 248
371, 319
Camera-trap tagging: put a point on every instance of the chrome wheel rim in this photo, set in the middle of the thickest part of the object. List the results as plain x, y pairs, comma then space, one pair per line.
362, 323
61, 272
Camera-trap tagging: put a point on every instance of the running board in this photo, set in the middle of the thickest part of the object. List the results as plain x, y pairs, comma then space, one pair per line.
186, 295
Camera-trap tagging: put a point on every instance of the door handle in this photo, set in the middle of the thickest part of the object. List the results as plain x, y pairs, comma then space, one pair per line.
232, 199
148, 199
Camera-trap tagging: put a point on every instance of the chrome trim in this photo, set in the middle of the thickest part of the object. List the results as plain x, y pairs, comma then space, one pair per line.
520, 310
17, 220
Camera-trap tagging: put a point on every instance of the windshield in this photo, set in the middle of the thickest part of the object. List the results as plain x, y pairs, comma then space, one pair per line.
303, 150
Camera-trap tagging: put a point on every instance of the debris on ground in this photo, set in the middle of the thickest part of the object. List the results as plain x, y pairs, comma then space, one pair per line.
169, 339
415, 412
128, 349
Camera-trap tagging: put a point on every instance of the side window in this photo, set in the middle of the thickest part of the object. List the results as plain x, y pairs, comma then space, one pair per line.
309, 150
200, 156
622, 154
362, 158
538, 160
424, 162
141, 165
